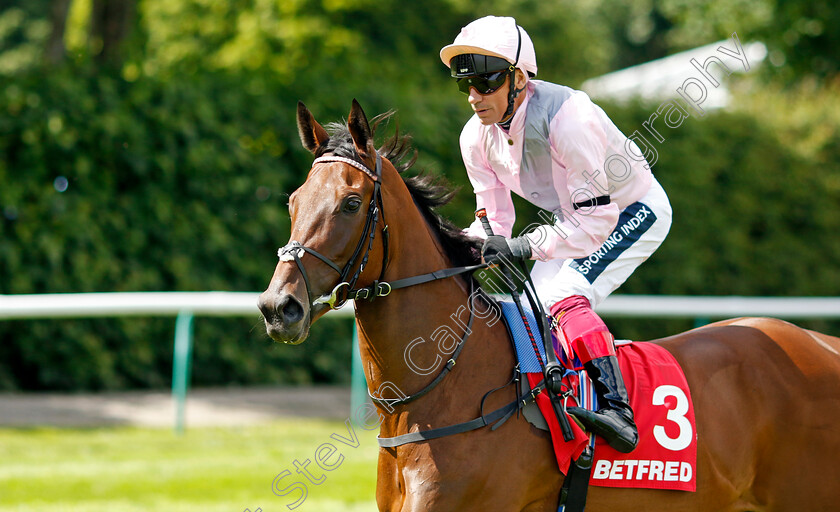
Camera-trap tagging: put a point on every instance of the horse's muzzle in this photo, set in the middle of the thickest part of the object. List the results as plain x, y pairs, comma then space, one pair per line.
285, 317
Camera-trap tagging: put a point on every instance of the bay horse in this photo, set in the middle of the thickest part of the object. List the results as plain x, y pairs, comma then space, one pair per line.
766, 393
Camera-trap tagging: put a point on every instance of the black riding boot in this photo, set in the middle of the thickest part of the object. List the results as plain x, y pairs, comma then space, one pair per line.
614, 419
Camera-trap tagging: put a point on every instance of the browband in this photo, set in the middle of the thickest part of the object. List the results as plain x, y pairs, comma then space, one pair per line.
360, 166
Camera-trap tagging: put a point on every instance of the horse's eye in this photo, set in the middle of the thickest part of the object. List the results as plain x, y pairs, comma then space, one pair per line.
352, 204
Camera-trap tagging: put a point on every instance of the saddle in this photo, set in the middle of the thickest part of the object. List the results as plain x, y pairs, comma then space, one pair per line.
666, 455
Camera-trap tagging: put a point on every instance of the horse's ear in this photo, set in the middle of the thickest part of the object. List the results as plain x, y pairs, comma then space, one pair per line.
360, 130
312, 134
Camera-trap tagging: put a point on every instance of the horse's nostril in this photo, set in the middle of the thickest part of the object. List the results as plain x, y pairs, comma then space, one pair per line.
266, 306
290, 310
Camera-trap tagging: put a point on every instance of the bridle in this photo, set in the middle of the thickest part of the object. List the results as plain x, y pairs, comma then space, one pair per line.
344, 291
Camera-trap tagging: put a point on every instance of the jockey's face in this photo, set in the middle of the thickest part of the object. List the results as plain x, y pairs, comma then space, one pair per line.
491, 107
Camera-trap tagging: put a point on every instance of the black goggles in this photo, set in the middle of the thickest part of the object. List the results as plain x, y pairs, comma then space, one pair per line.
469, 64
485, 84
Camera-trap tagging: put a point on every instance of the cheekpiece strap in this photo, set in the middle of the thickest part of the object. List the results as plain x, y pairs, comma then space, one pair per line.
349, 161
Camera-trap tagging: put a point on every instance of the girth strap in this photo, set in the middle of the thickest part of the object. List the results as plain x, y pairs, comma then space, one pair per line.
499, 415
426, 435
576, 484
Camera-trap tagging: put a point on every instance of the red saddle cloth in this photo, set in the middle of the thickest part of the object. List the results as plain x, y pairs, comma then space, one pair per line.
666, 456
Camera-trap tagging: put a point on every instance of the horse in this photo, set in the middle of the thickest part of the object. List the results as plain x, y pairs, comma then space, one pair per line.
766, 393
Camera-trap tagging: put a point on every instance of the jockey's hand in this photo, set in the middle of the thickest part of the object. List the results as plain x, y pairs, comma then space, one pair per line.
497, 249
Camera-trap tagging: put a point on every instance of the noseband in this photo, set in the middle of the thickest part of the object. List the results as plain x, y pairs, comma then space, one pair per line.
344, 291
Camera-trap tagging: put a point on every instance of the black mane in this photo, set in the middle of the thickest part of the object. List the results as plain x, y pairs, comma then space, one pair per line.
429, 192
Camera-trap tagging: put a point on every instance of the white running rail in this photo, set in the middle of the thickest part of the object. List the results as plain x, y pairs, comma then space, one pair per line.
186, 305
83, 305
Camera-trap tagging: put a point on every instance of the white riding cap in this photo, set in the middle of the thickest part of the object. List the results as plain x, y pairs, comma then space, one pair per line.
495, 36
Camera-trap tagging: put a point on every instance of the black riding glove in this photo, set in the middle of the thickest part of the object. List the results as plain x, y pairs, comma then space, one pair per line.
497, 249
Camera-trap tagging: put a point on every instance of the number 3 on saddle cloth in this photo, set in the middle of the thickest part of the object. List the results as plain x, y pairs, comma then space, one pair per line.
666, 455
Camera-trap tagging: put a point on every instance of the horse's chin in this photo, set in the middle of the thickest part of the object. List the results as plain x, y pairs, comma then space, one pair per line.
290, 336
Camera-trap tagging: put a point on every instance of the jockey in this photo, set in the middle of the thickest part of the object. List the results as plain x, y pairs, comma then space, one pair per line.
603, 212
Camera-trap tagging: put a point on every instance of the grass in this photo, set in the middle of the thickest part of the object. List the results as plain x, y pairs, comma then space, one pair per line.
206, 469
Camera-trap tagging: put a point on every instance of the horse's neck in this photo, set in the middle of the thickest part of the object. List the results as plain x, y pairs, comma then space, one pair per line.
406, 337
388, 325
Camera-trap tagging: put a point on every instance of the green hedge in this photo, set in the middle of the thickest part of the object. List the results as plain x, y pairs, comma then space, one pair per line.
113, 186
181, 185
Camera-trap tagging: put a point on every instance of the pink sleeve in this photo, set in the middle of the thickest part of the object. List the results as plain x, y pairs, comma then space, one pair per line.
490, 193
579, 142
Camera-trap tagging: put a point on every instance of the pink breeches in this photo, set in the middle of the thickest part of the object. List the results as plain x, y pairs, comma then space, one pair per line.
583, 328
